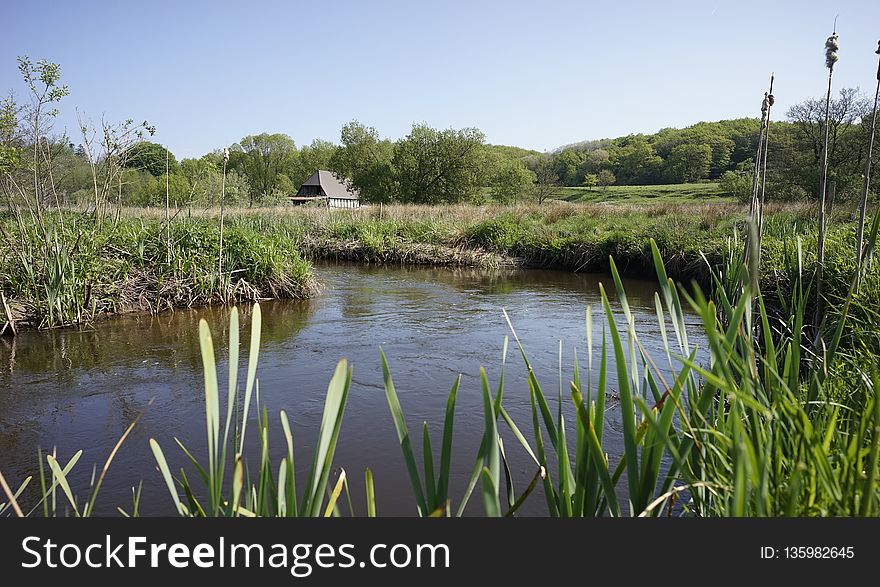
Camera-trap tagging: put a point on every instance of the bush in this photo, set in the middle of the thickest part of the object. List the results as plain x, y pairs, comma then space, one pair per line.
737, 184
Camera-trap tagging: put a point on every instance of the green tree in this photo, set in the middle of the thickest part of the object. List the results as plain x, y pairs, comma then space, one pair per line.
206, 178
365, 160
10, 146
310, 159
434, 166
147, 190
737, 184
633, 161
261, 158
687, 163
150, 157
606, 178
566, 164
546, 180
284, 186
714, 134
594, 161
512, 181
845, 147
591, 180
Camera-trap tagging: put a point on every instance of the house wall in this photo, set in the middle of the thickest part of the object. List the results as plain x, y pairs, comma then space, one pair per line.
343, 203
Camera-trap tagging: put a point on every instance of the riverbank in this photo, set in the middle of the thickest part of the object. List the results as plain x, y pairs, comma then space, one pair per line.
135, 264
68, 270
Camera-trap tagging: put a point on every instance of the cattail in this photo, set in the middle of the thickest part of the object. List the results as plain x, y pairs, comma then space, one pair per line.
832, 45
752, 252
167, 215
769, 101
753, 204
863, 205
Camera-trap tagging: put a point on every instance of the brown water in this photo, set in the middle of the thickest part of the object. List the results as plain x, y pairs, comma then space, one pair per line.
80, 389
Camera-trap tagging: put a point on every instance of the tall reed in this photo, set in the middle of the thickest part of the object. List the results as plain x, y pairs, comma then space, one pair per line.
832, 46
866, 187
222, 210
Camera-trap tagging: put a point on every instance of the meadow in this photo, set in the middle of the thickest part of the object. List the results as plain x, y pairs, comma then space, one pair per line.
709, 192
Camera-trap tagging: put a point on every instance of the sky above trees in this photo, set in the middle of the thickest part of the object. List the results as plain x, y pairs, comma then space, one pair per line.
536, 75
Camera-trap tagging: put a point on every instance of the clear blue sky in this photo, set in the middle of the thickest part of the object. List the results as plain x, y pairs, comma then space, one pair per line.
537, 74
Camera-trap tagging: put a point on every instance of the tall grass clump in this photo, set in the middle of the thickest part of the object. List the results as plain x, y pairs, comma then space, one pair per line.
140, 265
229, 486
56, 478
763, 429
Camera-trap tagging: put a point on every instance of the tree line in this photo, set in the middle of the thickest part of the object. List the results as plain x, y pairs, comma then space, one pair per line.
431, 166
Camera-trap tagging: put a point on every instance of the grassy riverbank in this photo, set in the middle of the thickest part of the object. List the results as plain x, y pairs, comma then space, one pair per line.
575, 237
690, 237
133, 264
68, 270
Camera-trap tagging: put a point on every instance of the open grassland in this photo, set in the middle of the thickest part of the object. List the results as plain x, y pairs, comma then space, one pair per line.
708, 192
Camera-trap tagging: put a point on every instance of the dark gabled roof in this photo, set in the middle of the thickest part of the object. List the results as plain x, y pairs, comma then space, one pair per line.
332, 185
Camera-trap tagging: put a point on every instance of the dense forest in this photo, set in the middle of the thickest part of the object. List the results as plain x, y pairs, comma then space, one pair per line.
453, 165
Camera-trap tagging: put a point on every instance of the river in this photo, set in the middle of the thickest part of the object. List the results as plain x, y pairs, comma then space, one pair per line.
79, 389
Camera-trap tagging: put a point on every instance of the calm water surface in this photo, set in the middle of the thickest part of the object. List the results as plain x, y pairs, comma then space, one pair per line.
80, 389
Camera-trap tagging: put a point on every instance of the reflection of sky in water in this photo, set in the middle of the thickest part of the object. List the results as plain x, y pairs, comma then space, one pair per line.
73, 390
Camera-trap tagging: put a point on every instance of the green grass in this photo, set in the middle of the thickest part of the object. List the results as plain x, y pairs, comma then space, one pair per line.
706, 192
67, 270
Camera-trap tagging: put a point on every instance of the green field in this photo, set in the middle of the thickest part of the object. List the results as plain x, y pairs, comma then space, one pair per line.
683, 192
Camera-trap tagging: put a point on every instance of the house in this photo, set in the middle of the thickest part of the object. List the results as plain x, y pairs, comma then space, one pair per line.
328, 189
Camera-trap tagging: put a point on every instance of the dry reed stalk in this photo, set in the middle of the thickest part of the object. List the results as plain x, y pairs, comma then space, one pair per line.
832, 46
167, 216
753, 202
10, 322
222, 210
770, 102
863, 204
10, 496
752, 251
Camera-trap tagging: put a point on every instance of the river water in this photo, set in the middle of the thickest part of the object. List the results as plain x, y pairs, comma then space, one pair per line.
79, 389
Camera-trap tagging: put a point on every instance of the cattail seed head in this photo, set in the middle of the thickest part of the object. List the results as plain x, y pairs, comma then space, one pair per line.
878, 65
765, 105
226, 154
771, 100
832, 46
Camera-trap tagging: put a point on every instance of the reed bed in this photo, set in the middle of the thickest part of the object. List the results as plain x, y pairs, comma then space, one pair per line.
85, 271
